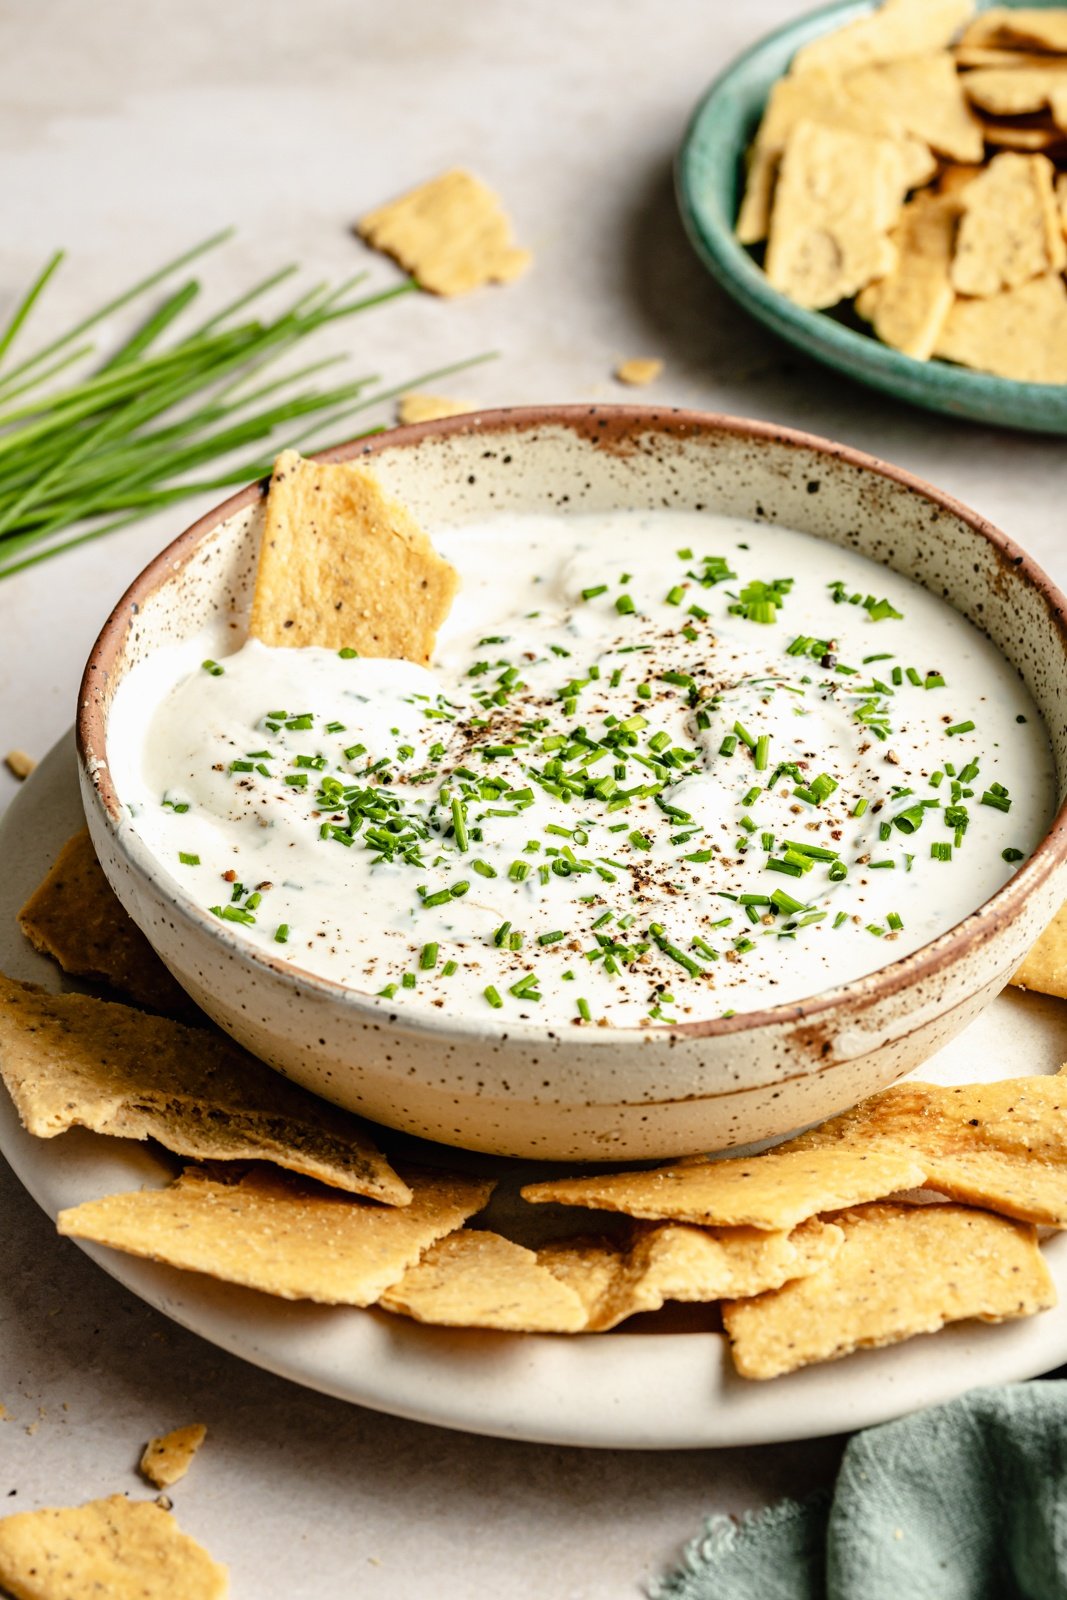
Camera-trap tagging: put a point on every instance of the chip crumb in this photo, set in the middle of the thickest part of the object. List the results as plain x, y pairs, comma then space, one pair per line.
639, 370
118, 1548
19, 764
412, 408
168, 1457
451, 233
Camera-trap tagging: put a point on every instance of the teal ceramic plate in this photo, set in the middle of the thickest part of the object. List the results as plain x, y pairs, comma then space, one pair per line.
709, 175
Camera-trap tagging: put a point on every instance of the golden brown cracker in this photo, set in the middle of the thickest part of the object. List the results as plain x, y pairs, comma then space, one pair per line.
75, 917
675, 1261
1045, 965
898, 28
1001, 1145
115, 1548
1027, 28
168, 1457
1020, 334
282, 1235
639, 370
924, 94
901, 1271
1009, 230
1014, 91
981, 56
71, 1061
412, 408
838, 194
344, 565
451, 233
477, 1279
1024, 135
823, 98
909, 305
772, 1191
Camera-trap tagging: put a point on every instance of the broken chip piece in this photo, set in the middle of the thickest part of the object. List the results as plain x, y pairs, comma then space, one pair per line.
1009, 229
344, 565
71, 1061
412, 408
1020, 334
477, 1279
902, 1270
897, 29
75, 917
772, 1191
118, 1548
451, 233
168, 1457
907, 308
282, 1235
1045, 965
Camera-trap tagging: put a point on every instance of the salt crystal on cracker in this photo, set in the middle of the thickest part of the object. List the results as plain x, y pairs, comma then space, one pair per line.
75, 917
477, 1279
168, 1457
343, 564
1009, 230
901, 1271
1020, 334
413, 408
279, 1234
71, 1061
898, 28
115, 1548
772, 1191
452, 234
838, 194
909, 305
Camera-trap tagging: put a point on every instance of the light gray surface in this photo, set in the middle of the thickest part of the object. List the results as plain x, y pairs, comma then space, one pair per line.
128, 129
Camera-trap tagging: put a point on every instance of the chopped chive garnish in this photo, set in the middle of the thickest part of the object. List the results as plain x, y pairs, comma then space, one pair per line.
551, 938
1011, 854
940, 850
584, 1011
591, 594
960, 727
493, 997
188, 859
428, 957
281, 933
213, 668
624, 605
347, 653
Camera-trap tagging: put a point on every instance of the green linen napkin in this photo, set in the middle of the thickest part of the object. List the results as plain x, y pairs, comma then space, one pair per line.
965, 1501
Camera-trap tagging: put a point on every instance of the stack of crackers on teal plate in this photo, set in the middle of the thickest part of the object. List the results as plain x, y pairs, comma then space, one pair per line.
914, 164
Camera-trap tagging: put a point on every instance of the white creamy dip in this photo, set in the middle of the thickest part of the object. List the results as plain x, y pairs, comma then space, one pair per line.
664, 766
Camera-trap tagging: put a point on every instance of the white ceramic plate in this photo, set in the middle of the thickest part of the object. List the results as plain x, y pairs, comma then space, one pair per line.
636, 1390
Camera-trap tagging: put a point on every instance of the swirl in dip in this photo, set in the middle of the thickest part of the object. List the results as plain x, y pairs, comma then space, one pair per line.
664, 766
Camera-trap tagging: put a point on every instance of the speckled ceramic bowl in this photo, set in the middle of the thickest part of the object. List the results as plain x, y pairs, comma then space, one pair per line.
598, 1094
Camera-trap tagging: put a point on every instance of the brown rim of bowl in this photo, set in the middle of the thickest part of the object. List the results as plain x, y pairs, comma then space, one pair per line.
615, 428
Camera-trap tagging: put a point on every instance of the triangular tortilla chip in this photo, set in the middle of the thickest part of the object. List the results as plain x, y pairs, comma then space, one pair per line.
114, 1549
451, 233
283, 1235
344, 565
75, 917
902, 1270
772, 1191
70, 1061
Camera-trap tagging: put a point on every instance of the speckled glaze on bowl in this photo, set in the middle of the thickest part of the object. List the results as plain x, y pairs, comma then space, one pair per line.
572, 1093
708, 179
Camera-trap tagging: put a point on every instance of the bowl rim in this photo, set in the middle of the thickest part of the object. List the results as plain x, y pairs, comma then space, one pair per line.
847, 349
616, 427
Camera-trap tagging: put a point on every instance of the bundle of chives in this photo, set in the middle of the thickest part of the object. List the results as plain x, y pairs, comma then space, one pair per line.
110, 447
